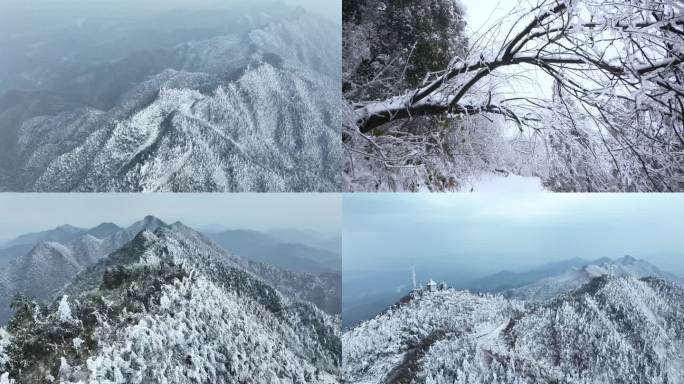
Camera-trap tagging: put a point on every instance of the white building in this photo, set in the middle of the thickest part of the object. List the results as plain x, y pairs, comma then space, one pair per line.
431, 286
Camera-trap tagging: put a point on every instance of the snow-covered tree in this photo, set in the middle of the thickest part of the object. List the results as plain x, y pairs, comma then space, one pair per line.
620, 64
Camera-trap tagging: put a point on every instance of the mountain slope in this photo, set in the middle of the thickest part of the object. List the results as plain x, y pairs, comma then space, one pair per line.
172, 309
375, 350
611, 330
268, 249
61, 234
254, 110
10, 253
506, 279
569, 280
50, 265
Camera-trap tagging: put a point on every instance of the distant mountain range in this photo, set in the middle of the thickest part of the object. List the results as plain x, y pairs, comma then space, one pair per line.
293, 253
168, 303
553, 279
238, 99
503, 280
40, 264
539, 284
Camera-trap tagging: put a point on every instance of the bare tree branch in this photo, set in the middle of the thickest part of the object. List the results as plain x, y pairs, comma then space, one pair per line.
550, 42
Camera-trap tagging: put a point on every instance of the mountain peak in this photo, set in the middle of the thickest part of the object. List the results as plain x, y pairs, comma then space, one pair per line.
603, 260
103, 230
148, 222
67, 227
627, 259
150, 218
179, 224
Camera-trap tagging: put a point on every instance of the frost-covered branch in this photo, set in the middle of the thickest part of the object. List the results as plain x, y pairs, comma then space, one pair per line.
598, 49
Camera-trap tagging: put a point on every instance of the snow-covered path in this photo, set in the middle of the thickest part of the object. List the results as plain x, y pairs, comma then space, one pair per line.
490, 182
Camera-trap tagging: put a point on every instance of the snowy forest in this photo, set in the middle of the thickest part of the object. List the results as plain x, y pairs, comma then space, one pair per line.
610, 330
582, 95
162, 303
173, 96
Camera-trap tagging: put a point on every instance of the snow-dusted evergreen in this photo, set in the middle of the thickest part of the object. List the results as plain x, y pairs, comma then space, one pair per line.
610, 330
171, 307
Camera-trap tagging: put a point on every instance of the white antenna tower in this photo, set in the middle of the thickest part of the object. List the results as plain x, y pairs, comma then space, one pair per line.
413, 269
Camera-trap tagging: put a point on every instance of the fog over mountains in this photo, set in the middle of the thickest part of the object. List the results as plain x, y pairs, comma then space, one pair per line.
286, 252
205, 314
222, 97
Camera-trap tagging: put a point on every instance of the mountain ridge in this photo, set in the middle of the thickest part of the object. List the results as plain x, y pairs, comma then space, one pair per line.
610, 329
35, 273
551, 286
173, 304
25, 273
248, 111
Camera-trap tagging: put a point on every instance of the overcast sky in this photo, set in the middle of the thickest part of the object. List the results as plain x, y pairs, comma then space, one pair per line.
493, 232
331, 9
25, 212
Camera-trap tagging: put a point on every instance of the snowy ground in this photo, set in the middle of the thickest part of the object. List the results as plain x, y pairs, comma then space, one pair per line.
489, 182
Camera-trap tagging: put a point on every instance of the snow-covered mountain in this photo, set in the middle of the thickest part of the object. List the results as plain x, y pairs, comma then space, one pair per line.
610, 330
252, 108
170, 306
50, 264
61, 234
549, 287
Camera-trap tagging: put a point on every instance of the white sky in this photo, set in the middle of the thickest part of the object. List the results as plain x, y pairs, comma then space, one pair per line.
481, 15
331, 9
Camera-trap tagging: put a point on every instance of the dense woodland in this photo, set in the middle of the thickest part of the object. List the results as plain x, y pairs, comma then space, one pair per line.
426, 108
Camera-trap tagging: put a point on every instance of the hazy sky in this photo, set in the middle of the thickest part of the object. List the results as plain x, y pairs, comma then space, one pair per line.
492, 232
24, 212
332, 9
